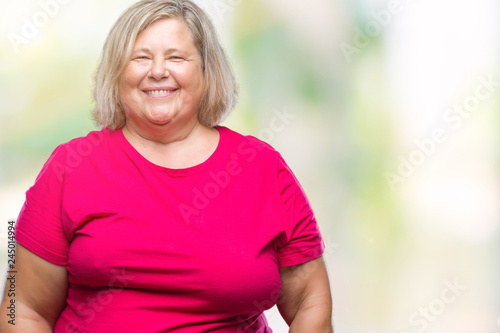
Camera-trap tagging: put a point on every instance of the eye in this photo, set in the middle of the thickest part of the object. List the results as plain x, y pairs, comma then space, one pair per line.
140, 57
175, 58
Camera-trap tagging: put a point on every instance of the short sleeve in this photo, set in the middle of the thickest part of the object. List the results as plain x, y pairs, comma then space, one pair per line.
303, 240
39, 227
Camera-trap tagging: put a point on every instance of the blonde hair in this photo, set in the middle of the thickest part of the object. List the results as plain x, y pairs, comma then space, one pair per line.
220, 90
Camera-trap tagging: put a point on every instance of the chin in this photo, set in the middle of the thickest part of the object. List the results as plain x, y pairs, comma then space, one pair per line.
160, 118
160, 122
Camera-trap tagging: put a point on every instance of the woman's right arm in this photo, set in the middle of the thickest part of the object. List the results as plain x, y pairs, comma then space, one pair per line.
40, 294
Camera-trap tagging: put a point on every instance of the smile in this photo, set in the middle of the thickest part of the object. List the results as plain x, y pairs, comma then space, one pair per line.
159, 92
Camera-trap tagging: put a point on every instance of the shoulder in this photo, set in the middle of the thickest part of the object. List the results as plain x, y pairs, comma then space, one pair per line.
92, 139
76, 151
81, 147
262, 156
249, 147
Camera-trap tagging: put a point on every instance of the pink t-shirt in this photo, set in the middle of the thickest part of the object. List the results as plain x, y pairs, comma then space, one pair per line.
152, 249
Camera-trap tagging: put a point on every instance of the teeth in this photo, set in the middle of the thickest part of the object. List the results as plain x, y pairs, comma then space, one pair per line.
158, 92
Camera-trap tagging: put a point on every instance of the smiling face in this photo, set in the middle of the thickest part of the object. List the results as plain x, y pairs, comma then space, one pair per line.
163, 80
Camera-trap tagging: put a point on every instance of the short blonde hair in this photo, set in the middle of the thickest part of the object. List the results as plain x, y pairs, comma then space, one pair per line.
220, 89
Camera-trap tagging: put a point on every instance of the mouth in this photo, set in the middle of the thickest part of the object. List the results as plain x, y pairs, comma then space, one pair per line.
159, 92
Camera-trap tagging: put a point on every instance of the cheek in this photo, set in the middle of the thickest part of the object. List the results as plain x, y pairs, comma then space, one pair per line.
133, 75
189, 78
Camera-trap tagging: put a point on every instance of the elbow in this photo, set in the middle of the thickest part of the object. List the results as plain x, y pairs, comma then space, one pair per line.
313, 318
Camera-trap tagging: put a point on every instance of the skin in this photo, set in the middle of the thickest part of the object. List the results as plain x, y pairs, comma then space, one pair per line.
305, 300
164, 128
41, 290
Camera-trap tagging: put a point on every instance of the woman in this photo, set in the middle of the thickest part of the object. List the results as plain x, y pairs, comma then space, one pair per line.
164, 221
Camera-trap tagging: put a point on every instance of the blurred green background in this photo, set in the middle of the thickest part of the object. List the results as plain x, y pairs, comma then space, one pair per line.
393, 133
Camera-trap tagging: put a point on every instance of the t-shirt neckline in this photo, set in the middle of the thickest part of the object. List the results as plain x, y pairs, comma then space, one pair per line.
138, 156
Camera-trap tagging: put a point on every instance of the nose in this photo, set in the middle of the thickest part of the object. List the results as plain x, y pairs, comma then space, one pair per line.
159, 69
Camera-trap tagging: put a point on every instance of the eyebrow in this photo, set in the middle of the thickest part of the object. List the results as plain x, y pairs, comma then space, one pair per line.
146, 50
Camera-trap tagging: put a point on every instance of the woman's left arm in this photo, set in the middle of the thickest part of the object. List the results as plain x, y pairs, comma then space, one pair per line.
305, 300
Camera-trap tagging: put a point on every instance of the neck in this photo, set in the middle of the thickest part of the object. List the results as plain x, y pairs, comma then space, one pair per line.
164, 134
174, 147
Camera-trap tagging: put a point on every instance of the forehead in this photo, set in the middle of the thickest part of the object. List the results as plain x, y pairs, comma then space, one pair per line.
166, 31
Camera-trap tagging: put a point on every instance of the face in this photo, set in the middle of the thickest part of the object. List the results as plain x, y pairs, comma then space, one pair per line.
163, 80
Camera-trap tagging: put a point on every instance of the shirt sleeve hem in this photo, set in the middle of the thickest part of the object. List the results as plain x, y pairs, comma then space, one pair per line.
302, 257
40, 250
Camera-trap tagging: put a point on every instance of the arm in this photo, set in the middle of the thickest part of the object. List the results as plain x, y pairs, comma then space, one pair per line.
40, 294
305, 301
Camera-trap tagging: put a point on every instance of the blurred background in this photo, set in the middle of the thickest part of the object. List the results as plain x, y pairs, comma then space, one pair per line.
388, 116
